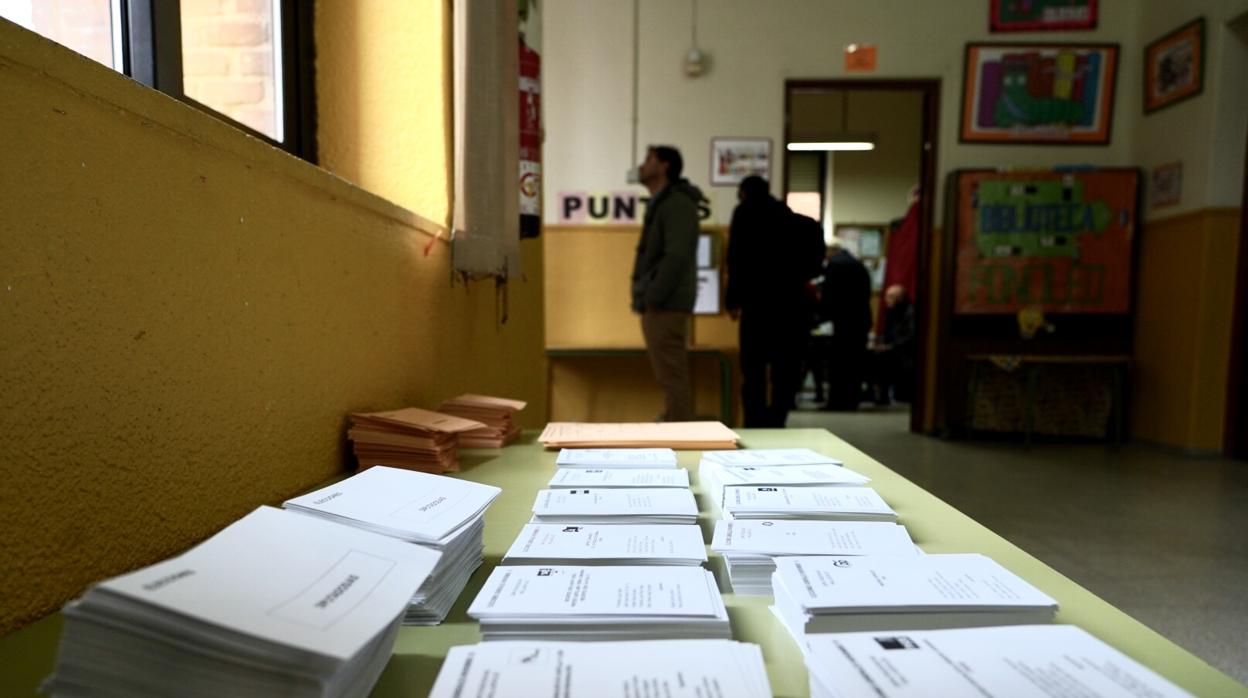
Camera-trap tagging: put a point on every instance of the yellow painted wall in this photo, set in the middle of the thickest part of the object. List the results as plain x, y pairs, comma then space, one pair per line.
623, 389
382, 122
1182, 337
189, 314
587, 281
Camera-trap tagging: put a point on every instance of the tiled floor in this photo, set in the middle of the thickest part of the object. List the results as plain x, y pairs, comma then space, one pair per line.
1162, 536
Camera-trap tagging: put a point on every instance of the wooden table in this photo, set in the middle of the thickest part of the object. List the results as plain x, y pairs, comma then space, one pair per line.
522, 469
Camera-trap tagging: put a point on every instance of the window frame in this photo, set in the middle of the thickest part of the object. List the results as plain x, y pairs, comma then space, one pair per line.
151, 39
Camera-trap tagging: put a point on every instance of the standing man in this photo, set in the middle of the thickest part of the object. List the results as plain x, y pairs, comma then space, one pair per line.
772, 254
665, 280
846, 298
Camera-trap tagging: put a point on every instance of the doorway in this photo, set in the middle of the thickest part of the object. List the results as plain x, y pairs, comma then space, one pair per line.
863, 196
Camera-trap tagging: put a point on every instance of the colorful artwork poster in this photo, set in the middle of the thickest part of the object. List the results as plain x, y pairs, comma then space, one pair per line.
1038, 93
1061, 241
1041, 15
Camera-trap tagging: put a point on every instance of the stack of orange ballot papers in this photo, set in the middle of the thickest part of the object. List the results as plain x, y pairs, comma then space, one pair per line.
494, 412
409, 438
676, 435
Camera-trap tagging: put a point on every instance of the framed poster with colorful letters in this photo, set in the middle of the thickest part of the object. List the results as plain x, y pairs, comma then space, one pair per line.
1038, 93
1062, 241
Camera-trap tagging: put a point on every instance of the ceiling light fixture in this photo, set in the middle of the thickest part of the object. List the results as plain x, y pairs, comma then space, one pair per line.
838, 140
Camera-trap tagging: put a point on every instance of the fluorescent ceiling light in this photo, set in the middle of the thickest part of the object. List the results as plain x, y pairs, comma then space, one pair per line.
863, 144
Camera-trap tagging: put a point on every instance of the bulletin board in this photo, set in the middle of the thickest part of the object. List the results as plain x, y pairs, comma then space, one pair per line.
1060, 240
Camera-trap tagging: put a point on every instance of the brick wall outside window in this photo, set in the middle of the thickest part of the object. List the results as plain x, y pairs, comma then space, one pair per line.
83, 25
227, 59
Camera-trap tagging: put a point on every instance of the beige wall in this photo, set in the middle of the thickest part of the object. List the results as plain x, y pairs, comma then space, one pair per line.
188, 316
1206, 133
754, 47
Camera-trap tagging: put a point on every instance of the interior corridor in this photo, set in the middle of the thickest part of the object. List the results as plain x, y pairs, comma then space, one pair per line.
1160, 535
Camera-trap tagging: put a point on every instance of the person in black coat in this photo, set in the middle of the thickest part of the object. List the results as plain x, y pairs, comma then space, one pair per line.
845, 298
772, 254
893, 353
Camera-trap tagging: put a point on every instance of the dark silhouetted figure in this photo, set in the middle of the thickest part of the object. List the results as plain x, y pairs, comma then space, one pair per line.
846, 301
893, 354
772, 254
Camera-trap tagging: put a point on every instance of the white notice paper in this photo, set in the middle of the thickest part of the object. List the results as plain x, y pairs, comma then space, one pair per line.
607, 544
549, 594
1027, 661
616, 458
928, 582
627, 505
619, 477
670, 668
827, 503
769, 457
782, 537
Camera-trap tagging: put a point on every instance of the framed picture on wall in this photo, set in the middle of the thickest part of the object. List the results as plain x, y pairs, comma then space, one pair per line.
1174, 66
1038, 93
1166, 186
734, 159
1041, 15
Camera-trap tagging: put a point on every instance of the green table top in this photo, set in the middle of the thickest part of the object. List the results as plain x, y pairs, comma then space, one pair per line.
28, 654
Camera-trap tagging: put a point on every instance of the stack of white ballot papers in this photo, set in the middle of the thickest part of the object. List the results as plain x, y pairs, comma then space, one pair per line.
812, 503
434, 511
615, 544
849, 594
766, 457
534, 602
1029, 661
750, 547
715, 477
274, 604
672, 668
612, 477
649, 458
667, 505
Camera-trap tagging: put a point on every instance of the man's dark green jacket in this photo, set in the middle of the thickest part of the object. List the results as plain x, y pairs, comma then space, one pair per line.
665, 270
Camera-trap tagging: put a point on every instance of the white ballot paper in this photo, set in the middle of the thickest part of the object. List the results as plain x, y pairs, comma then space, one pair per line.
600, 603
749, 547
820, 503
615, 544
274, 603
848, 594
616, 458
669, 668
763, 457
627, 505
786, 537
619, 477
1028, 661
417, 507
715, 477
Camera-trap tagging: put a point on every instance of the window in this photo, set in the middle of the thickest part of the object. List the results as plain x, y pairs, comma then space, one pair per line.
90, 27
246, 61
